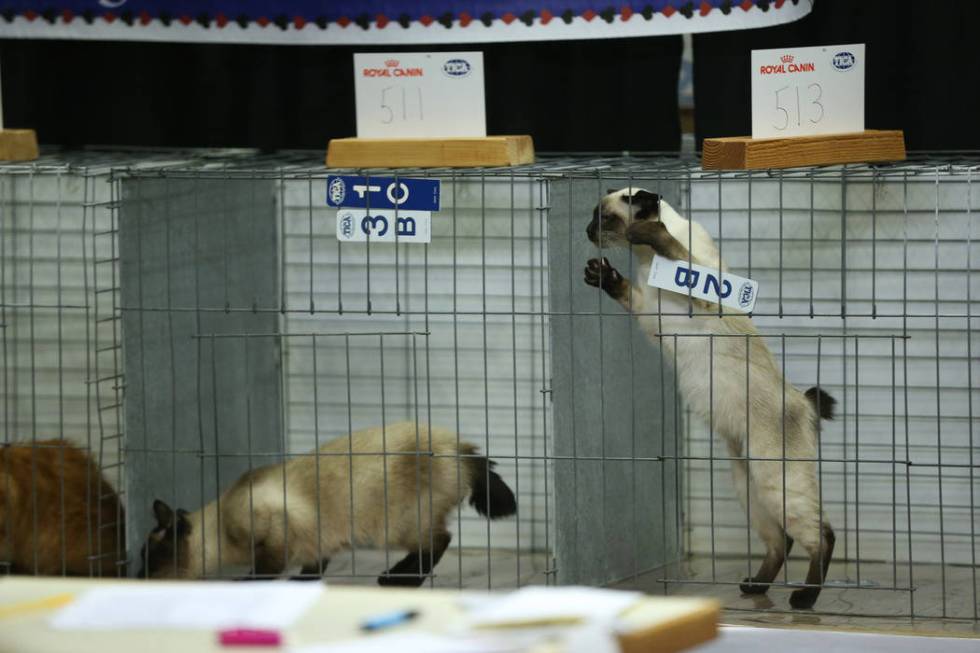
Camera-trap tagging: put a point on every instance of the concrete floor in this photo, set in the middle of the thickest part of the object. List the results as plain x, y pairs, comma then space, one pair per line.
844, 604
458, 569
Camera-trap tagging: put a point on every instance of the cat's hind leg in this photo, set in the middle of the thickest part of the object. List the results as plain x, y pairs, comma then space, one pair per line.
412, 570
769, 530
819, 543
776, 555
803, 522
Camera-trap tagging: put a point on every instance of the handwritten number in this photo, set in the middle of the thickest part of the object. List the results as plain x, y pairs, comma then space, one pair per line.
385, 107
780, 108
816, 101
797, 106
389, 110
816, 90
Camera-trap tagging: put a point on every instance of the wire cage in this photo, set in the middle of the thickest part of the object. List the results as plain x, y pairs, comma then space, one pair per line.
217, 325
61, 366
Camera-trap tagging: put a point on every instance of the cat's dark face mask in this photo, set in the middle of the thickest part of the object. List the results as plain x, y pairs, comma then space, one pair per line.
164, 555
616, 211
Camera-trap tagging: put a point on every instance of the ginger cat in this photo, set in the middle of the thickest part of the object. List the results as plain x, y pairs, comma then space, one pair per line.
58, 515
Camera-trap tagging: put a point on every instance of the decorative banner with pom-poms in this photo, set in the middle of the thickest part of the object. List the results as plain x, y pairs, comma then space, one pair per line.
382, 21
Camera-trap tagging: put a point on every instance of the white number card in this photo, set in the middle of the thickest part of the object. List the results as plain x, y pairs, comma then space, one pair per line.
419, 94
703, 282
808, 91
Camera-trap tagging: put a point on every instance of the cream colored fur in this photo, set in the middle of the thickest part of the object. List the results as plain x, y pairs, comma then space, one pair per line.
734, 384
255, 510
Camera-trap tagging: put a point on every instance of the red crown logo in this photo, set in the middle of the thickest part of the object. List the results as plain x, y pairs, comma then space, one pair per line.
392, 63
786, 58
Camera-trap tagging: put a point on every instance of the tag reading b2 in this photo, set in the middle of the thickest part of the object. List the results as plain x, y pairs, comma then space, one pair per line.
703, 282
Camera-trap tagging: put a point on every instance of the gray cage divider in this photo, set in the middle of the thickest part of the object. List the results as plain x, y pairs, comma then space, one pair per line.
616, 410
192, 253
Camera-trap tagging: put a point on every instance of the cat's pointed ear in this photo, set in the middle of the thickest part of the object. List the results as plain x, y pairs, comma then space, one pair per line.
647, 201
163, 513
183, 523
610, 191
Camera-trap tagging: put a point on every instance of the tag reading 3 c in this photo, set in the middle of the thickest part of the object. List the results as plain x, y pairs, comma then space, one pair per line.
703, 282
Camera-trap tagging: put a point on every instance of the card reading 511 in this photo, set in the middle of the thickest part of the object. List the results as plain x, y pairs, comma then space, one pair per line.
419, 94
808, 91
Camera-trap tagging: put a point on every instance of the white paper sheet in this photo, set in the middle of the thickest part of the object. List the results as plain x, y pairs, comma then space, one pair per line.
417, 642
189, 606
547, 605
808, 91
419, 94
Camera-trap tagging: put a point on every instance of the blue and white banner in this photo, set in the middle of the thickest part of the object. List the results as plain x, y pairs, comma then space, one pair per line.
351, 191
361, 22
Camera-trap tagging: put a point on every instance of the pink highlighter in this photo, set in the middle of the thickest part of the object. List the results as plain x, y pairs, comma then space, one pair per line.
249, 637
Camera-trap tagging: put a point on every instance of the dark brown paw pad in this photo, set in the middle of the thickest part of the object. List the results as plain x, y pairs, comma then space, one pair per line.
600, 274
803, 599
398, 580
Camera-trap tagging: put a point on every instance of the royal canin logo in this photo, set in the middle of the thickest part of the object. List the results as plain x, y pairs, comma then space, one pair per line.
787, 64
391, 69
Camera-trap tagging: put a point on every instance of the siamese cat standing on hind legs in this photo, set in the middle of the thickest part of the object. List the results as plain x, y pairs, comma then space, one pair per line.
730, 379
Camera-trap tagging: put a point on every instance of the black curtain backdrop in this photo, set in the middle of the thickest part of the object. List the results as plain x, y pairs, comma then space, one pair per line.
921, 75
571, 96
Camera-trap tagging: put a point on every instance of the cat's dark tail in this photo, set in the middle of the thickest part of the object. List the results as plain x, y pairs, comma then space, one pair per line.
489, 494
822, 402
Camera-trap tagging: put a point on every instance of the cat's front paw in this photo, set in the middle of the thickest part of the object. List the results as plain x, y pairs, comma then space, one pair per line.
601, 274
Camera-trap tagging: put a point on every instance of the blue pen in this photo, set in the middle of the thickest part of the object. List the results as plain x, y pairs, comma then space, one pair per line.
388, 619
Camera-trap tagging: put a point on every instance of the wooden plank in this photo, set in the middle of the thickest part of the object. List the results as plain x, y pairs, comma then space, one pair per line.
18, 145
646, 628
429, 152
746, 153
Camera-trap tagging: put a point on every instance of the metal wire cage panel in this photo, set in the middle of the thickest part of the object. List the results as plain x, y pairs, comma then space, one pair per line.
241, 305
251, 336
60, 368
869, 291
61, 461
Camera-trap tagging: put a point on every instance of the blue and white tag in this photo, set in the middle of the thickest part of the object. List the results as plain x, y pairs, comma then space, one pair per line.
702, 282
349, 191
356, 225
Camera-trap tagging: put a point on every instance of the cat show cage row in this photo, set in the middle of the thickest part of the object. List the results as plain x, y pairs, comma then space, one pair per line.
188, 316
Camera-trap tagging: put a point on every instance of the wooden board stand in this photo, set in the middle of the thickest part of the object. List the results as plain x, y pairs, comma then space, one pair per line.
430, 152
745, 153
18, 145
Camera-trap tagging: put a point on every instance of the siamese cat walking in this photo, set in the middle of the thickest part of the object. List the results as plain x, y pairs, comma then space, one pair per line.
406, 479
769, 426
